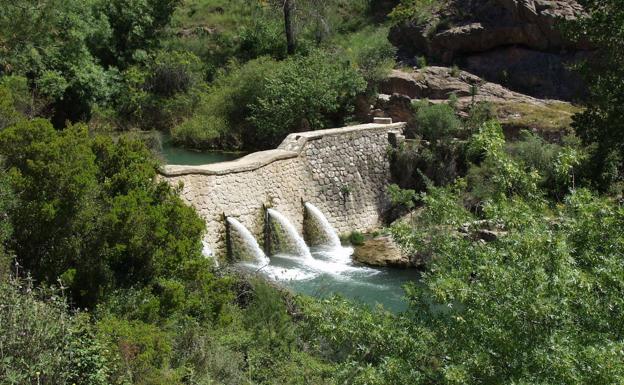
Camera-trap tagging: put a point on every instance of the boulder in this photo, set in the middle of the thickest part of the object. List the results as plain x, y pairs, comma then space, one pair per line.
381, 251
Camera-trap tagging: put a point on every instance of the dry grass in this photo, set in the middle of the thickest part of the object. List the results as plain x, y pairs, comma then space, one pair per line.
553, 116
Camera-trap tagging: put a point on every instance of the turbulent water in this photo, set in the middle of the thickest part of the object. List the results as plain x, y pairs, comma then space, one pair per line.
291, 240
250, 248
319, 227
331, 271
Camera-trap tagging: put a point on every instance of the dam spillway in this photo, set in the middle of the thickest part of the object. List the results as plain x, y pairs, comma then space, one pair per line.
318, 229
289, 239
244, 245
343, 172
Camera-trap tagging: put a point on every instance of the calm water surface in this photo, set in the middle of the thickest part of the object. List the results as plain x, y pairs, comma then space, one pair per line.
183, 156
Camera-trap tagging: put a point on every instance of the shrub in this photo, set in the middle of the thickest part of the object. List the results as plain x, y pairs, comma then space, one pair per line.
436, 121
200, 131
415, 165
305, 93
254, 106
419, 11
42, 343
372, 53
497, 174
91, 210
140, 352
356, 238
221, 116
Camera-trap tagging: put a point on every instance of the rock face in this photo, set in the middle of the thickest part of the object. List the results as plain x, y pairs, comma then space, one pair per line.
514, 42
438, 83
516, 111
381, 251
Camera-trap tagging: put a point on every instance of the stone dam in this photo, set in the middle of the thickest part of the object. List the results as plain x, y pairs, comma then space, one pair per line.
342, 171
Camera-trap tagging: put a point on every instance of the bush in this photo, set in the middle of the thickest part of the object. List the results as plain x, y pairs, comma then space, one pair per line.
476, 298
42, 343
254, 106
305, 93
419, 11
372, 53
356, 238
495, 173
415, 164
91, 211
140, 352
436, 121
221, 116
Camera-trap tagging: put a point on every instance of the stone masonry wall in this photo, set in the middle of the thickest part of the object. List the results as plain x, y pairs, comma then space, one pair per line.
344, 172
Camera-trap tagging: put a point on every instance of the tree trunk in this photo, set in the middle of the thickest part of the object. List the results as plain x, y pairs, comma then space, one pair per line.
288, 26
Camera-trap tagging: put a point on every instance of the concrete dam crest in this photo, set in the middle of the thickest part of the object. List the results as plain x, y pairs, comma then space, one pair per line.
342, 171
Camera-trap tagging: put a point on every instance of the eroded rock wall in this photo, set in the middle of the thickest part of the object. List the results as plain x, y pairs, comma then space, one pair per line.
344, 172
517, 43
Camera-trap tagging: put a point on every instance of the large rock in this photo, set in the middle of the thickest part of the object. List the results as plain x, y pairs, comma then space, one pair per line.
509, 40
439, 83
515, 110
381, 251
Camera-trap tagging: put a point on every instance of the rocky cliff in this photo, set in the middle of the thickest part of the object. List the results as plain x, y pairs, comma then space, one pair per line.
516, 111
517, 43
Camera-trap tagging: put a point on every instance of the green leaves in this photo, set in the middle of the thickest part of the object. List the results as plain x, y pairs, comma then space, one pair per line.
305, 93
531, 305
93, 207
601, 123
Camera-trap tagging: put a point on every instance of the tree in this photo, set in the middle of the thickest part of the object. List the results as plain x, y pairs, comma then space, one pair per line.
289, 6
91, 212
50, 42
136, 27
602, 123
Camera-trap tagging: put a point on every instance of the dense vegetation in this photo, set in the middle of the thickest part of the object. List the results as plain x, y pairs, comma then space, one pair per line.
149, 65
102, 280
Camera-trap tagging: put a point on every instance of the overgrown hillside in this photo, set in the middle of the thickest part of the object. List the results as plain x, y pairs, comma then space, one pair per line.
102, 277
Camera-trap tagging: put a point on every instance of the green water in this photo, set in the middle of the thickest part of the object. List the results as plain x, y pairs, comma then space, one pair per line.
331, 272
183, 156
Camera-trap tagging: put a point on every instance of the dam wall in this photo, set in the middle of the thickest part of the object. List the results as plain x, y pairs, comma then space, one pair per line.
342, 171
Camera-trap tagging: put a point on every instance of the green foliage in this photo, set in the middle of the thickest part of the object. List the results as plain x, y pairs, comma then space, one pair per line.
140, 352
257, 104
50, 42
372, 53
42, 343
305, 93
600, 125
439, 157
162, 92
402, 197
556, 164
419, 11
497, 174
92, 206
478, 115
356, 238
7, 202
15, 100
369, 346
221, 116
436, 121
527, 308
135, 29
